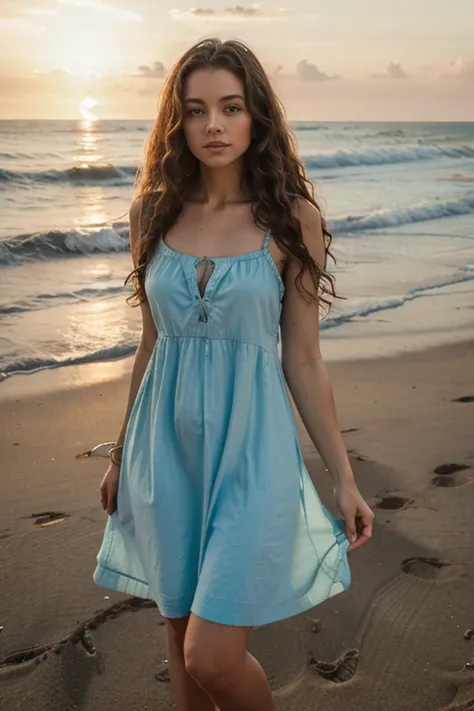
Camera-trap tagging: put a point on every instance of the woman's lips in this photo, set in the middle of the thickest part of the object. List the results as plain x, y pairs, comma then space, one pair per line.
217, 148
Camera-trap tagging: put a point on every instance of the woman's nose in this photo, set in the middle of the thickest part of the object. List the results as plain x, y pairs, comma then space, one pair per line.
213, 123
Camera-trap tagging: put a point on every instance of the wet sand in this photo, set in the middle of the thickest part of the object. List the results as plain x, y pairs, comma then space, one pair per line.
398, 640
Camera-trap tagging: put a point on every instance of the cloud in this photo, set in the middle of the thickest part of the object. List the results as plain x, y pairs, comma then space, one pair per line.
306, 71
57, 81
64, 83
157, 71
136, 88
236, 13
116, 12
460, 70
394, 71
463, 68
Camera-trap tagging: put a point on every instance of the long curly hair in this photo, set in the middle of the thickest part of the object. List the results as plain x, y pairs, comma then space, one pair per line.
273, 176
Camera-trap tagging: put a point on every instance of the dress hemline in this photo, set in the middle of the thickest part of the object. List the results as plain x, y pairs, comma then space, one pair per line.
225, 612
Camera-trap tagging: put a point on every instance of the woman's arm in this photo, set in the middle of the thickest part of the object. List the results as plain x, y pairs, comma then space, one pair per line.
308, 381
148, 335
109, 484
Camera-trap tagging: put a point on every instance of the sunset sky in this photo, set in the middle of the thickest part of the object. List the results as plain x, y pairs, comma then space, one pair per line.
330, 60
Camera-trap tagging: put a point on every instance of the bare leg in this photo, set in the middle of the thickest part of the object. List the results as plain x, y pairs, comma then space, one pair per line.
188, 694
216, 656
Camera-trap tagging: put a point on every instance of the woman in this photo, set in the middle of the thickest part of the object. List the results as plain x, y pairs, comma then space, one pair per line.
212, 512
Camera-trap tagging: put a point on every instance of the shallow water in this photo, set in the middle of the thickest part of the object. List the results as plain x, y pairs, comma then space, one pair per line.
399, 199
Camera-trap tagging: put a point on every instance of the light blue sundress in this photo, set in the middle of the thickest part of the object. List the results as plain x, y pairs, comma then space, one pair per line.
216, 512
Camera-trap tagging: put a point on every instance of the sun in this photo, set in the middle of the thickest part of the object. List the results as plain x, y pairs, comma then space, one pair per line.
85, 109
87, 47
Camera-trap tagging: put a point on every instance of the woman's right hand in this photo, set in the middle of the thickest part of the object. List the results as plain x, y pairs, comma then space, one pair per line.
109, 488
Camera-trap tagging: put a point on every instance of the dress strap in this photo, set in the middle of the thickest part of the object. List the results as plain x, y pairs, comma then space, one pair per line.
266, 241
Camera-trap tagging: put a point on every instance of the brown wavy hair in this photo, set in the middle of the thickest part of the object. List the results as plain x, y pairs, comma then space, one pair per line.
273, 176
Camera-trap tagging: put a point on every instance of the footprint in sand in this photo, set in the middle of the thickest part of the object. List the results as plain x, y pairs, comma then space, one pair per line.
339, 671
163, 676
447, 469
464, 398
449, 481
394, 503
432, 569
447, 475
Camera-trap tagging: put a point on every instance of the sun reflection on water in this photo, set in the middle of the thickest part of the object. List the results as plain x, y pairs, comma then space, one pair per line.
88, 163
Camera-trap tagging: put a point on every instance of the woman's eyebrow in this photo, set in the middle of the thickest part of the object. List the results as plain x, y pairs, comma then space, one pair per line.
228, 97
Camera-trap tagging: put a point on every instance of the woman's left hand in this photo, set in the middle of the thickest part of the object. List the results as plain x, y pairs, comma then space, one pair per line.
356, 513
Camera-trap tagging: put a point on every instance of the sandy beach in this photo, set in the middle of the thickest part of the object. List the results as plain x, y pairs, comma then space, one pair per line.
400, 639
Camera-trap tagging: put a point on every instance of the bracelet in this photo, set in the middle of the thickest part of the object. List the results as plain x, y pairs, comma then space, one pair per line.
111, 454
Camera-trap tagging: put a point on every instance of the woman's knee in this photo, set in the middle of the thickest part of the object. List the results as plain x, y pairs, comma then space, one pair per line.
212, 670
214, 654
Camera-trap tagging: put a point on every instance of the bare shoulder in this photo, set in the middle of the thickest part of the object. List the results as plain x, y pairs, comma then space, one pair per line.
311, 226
305, 210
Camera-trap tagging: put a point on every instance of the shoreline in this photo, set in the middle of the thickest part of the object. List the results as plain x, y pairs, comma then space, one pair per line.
70, 377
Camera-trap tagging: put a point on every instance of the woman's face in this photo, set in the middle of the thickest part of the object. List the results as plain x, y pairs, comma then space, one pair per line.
215, 112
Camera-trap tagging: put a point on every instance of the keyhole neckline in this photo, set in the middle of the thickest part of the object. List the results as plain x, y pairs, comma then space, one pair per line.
204, 277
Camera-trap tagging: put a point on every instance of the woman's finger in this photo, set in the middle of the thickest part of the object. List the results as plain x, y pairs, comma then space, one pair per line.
351, 528
367, 522
111, 504
364, 525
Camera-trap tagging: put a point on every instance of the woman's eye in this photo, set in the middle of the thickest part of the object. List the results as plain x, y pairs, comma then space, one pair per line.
233, 109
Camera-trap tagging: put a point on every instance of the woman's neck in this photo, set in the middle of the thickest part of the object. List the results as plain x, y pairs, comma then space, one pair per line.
218, 187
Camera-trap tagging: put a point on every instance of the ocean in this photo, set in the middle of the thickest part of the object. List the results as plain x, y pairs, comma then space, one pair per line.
399, 199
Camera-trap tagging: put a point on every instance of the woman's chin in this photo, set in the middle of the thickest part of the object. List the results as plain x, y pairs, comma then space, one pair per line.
216, 161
